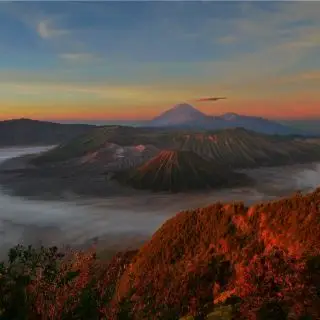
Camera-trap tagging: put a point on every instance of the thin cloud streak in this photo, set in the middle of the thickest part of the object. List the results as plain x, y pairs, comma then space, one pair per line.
47, 30
210, 99
78, 57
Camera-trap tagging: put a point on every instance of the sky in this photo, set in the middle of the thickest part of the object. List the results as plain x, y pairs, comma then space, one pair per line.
133, 60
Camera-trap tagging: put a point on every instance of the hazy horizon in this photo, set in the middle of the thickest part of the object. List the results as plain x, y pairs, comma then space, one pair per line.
140, 122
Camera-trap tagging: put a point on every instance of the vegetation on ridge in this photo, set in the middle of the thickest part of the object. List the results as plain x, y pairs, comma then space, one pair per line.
261, 263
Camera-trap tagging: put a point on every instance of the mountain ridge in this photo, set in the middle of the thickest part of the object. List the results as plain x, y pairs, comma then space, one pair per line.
258, 260
26, 131
234, 147
185, 115
115, 153
30, 132
178, 114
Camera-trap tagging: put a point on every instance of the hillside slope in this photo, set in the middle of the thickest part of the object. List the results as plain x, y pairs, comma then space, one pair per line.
115, 158
225, 260
240, 148
236, 148
33, 132
262, 260
179, 171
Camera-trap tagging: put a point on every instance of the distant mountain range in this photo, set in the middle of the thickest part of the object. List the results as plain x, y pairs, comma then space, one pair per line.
180, 117
34, 132
186, 116
307, 125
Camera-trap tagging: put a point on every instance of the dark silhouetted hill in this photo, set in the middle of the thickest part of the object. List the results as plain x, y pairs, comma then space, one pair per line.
27, 132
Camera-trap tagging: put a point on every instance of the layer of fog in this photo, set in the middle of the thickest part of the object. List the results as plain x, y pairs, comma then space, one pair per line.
119, 222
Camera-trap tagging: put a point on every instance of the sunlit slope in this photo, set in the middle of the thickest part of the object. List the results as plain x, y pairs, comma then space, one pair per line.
252, 258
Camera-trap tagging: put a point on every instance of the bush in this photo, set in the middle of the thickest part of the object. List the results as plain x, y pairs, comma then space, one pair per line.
47, 284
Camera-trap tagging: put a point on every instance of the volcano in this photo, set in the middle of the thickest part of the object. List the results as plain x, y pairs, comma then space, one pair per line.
179, 114
176, 171
185, 116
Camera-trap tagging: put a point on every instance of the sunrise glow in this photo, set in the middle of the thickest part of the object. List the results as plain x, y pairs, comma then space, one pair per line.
122, 60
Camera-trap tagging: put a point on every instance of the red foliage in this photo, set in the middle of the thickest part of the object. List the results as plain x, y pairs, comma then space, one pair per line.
53, 300
275, 277
266, 248
268, 256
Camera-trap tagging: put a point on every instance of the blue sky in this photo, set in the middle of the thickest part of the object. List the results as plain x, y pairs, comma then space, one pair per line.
135, 59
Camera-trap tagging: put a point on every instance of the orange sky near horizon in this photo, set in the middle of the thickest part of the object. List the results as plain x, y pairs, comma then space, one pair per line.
56, 61
297, 109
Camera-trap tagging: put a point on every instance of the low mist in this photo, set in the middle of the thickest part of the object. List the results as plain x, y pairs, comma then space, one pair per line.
122, 222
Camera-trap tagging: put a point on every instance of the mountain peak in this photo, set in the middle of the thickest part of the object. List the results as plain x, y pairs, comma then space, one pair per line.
230, 116
184, 115
180, 113
183, 106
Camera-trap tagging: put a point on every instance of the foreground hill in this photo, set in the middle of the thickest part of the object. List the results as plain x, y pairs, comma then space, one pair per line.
179, 171
186, 116
236, 148
32, 132
256, 263
267, 255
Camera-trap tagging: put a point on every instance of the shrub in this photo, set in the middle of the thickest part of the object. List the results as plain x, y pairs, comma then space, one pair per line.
47, 284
